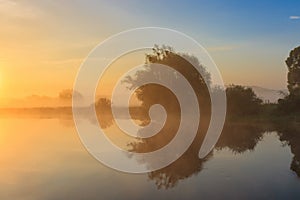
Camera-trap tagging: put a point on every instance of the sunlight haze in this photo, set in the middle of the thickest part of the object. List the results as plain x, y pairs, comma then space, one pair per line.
43, 43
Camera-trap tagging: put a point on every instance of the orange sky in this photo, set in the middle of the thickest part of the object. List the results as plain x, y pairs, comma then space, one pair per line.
43, 44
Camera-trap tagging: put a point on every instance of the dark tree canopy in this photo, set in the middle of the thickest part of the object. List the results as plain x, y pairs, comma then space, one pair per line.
293, 64
291, 102
183, 64
242, 101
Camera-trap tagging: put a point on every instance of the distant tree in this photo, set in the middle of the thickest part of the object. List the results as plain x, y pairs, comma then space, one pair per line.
104, 113
242, 101
103, 103
67, 94
291, 102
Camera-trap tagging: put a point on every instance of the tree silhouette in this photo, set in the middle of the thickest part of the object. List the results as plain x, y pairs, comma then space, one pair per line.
183, 64
291, 102
293, 64
189, 163
242, 101
151, 94
104, 113
67, 94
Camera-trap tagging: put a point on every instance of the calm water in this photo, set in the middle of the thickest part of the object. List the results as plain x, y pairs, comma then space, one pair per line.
44, 159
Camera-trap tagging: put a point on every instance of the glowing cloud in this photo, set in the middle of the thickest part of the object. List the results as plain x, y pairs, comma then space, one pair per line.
294, 17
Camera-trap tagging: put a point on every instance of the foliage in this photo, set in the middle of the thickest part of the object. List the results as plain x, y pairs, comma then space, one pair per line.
242, 101
103, 104
291, 102
104, 114
181, 63
293, 65
67, 94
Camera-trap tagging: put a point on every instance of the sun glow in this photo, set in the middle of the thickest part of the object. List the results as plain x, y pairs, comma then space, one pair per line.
0, 80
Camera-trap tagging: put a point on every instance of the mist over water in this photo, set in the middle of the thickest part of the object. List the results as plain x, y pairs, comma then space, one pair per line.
45, 156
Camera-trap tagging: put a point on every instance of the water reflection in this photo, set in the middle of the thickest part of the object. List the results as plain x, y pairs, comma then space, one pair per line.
184, 167
240, 137
290, 133
46, 137
237, 136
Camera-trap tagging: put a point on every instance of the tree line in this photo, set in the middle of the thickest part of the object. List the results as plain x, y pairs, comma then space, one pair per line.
241, 100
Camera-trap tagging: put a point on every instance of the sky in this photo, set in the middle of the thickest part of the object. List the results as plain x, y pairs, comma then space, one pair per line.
43, 42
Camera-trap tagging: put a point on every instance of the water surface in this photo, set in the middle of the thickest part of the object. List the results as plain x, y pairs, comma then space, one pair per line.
43, 158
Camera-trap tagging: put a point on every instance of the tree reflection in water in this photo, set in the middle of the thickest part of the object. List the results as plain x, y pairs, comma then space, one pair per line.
238, 137
290, 133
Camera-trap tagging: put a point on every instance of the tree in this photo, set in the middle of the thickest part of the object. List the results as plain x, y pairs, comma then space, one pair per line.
103, 104
291, 102
183, 64
104, 113
189, 163
293, 64
242, 101
67, 94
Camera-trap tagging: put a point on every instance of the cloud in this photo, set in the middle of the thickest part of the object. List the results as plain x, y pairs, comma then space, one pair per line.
15, 9
294, 17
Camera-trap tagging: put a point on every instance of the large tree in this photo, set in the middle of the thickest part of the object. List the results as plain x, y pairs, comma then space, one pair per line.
183, 64
293, 64
291, 102
150, 94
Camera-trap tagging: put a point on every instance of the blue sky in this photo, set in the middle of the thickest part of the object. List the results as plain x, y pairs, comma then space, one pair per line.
246, 38
250, 38
233, 20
